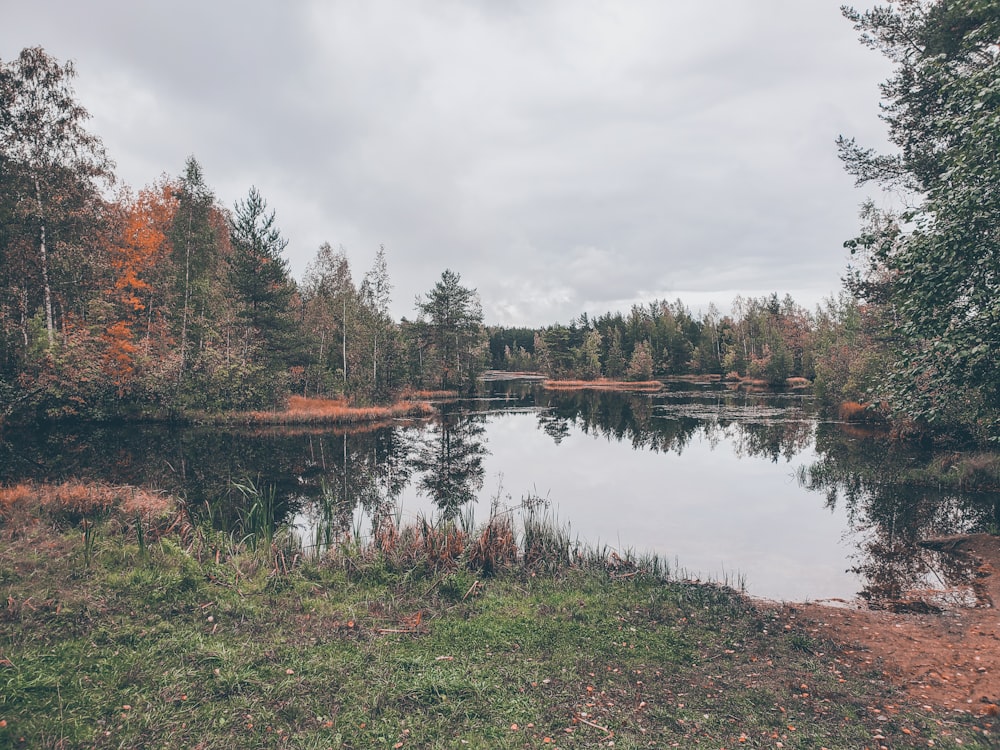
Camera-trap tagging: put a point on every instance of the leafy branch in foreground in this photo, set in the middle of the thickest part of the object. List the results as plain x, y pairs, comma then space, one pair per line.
935, 266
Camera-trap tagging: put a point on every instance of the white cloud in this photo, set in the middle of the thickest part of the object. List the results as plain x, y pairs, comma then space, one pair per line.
561, 156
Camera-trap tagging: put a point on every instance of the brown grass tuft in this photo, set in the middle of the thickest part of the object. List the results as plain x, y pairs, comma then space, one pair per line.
442, 545
72, 502
496, 547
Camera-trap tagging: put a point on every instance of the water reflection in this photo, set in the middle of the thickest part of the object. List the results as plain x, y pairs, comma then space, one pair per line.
450, 459
341, 469
702, 472
892, 510
776, 426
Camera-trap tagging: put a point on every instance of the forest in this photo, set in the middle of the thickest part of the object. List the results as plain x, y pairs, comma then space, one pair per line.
162, 302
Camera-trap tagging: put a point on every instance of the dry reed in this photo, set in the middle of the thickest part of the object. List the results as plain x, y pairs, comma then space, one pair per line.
124, 508
496, 547
852, 411
83, 499
335, 411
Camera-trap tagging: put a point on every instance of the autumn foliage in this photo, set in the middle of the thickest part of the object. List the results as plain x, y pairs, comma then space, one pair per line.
852, 411
141, 249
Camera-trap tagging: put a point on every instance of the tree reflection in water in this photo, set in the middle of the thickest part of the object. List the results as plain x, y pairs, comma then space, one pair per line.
778, 427
890, 504
330, 472
324, 476
368, 472
450, 458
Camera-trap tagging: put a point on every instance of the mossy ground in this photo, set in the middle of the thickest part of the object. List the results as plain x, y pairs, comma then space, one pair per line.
189, 640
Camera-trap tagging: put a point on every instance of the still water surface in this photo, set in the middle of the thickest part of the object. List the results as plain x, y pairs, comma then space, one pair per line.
705, 506
747, 488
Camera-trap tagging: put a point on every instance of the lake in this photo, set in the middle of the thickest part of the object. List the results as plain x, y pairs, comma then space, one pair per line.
748, 488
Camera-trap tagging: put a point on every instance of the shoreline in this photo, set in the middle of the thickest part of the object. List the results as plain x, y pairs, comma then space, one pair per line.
191, 634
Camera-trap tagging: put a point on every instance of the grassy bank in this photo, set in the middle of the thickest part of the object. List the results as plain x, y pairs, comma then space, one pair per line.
124, 626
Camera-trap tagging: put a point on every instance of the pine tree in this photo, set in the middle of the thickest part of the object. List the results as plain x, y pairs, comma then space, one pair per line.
259, 274
452, 325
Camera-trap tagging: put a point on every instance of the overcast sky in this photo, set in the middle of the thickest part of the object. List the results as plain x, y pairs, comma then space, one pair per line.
561, 155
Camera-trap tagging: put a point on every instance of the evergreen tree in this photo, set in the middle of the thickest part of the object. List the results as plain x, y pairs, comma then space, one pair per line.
259, 274
589, 356
640, 366
615, 365
934, 266
195, 244
451, 319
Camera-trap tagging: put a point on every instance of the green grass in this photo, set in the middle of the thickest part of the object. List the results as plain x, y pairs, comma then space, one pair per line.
164, 646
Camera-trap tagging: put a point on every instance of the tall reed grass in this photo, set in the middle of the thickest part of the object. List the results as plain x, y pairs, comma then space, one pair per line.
524, 539
258, 520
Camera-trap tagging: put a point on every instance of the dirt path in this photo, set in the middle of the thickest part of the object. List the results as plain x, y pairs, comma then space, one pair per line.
947, 660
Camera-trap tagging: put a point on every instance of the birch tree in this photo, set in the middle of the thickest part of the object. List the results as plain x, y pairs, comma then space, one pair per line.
330, 309
42, 136
375, 296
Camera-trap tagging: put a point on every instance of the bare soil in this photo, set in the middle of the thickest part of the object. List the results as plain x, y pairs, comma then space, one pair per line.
944, 660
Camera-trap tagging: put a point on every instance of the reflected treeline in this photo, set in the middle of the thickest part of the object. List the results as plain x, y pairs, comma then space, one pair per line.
772, 425
328, 474
357, 469
201, 465
892, 507
450, 459
324, 474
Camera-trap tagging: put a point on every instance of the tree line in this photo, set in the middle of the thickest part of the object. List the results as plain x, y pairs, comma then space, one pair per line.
164, 301
767, 338
916, 334
927, 274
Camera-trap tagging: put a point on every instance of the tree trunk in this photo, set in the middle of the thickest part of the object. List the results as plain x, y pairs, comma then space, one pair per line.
44, 259
24, 317
187, 292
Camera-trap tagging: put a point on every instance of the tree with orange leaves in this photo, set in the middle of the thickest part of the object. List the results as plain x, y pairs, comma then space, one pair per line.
137, 261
